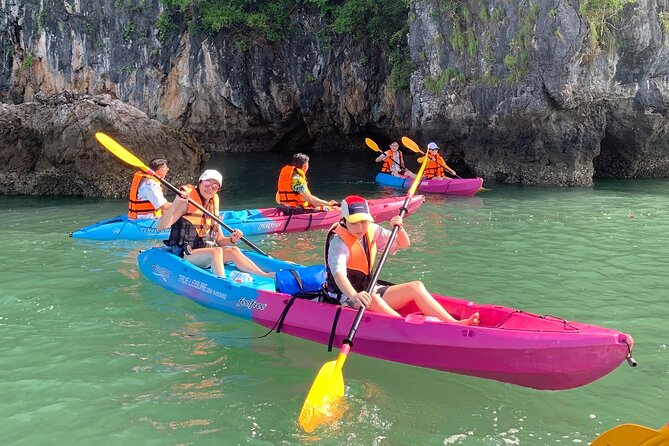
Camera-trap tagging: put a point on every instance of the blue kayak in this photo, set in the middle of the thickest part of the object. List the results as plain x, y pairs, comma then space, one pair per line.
123, 228
249, 221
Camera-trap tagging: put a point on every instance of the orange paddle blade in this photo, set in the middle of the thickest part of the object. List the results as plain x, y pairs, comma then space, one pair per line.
633, 435
372, 145
411, 145
323, 403
120, 151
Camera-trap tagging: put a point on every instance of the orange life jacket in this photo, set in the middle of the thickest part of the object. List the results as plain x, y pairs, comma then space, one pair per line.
137, 207
360, 261
285, 194
435, 167
194, 227
387, 166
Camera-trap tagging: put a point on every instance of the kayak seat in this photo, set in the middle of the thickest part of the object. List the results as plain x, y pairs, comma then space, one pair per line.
289, 210
510, 319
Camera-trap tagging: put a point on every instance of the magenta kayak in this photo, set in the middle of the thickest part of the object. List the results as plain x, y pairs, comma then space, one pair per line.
449, 186
510, 345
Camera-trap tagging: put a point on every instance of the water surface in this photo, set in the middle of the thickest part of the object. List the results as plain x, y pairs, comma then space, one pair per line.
94, 353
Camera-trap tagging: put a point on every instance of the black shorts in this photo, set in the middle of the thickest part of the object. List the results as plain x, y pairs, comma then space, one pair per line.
343, 300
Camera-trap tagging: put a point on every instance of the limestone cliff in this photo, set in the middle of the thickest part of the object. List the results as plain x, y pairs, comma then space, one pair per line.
545, 92
47, 146
531, 91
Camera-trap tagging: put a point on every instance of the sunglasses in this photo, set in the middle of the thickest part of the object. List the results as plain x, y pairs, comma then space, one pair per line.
211, 185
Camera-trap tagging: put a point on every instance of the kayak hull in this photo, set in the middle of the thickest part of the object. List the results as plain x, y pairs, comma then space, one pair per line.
250, 222
448, 186
510, 345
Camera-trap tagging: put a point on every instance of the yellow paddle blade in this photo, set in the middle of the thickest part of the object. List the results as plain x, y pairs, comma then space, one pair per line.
633, 435
372, 145
411, 145
120, 151
323, 403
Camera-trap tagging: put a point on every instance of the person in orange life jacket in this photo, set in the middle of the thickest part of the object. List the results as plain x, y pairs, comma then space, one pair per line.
146, 199
197, 237
350, 249
393, 162
292, 188
436, 167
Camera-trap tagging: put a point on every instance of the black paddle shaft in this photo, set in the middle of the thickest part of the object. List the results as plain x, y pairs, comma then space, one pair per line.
377, 272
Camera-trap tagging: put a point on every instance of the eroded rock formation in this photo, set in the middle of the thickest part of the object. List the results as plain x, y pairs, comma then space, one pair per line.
47, 146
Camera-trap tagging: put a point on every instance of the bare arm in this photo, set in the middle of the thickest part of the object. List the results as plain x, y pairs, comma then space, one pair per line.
381, 157
173, 213
344, 284
231, 239
445, 166
358, 297
402, 236
165, 206
315, 201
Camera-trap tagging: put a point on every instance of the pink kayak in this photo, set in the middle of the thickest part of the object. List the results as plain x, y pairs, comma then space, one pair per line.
510, 345
449, 186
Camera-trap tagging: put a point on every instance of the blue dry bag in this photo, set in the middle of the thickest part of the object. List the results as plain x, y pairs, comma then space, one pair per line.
307, 281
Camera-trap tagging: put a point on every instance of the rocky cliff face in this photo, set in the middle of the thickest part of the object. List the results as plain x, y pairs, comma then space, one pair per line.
47, 147
520, 91
550, 102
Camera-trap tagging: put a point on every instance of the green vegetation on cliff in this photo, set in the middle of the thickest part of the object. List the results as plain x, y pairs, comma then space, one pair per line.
384, 22
602, 17
378, 19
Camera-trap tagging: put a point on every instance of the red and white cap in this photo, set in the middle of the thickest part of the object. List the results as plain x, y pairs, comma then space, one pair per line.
354, 208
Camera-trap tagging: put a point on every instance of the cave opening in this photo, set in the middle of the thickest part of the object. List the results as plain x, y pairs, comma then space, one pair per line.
610, 163
297, 139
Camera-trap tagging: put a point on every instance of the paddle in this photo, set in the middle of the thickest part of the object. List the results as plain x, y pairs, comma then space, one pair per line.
411, 145
375, 147
124, 155
327, 390
633, 435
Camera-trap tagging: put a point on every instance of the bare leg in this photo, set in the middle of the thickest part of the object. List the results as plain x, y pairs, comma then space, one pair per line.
402, 294
379, 305
205, 257
232, 253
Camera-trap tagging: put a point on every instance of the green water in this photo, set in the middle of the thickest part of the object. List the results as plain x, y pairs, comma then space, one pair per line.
94, 353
